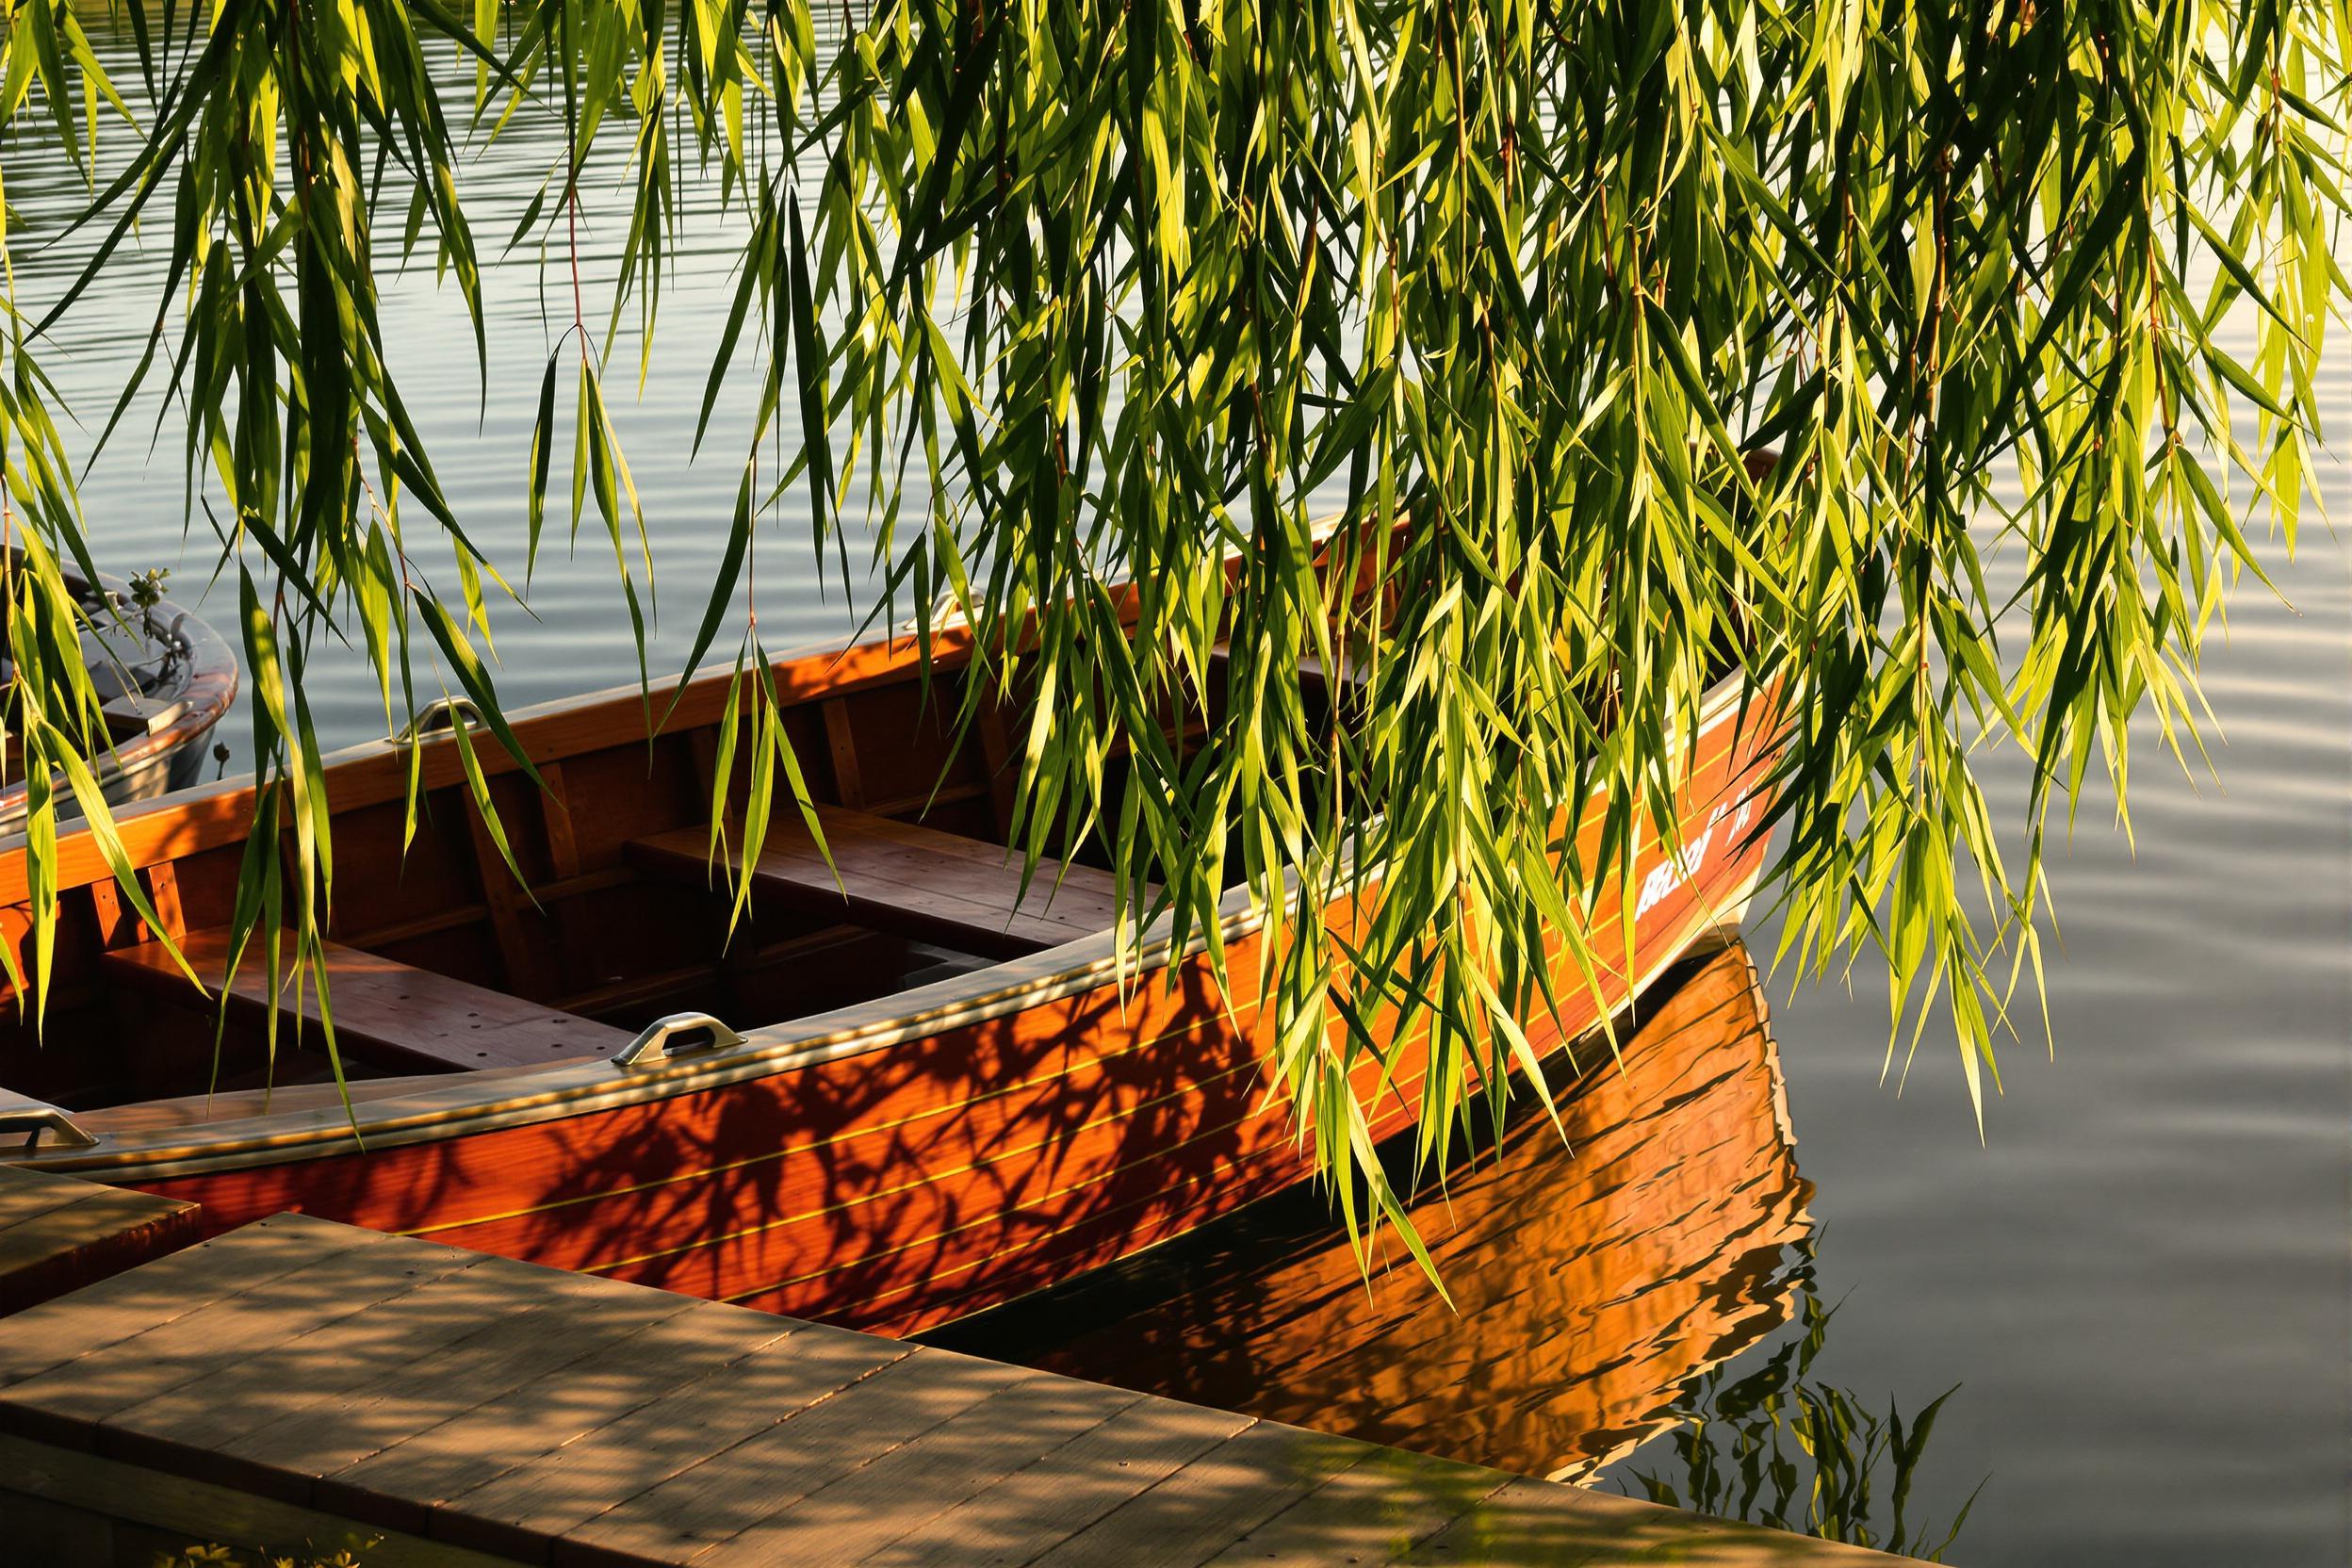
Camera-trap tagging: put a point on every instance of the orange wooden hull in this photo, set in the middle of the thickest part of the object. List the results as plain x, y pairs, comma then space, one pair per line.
939, 1173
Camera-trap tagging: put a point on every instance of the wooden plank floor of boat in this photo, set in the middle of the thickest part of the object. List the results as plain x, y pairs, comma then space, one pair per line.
57, 1232
299, 1381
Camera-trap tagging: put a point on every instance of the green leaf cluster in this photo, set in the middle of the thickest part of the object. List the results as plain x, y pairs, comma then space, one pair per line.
1065, 293
1775, 1445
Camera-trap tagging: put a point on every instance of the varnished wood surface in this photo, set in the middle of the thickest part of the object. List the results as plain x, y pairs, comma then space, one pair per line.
59, 1231
553, 1418
405, 1019
901, 1187
884, 1159
903, 877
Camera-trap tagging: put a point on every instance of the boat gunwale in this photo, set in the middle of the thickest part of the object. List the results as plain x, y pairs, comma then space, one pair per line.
370, 772
465, 1104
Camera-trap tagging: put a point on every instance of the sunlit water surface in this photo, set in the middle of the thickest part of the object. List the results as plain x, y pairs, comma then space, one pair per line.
2138, 1281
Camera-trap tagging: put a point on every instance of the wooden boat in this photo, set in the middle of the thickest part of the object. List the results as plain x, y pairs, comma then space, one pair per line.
165, 677
964, 1100
1590, 1280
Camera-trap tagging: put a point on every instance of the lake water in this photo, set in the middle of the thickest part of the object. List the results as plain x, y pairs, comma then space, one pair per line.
2138, 1286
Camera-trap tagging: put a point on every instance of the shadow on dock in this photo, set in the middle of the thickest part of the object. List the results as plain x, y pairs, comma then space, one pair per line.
299, 1382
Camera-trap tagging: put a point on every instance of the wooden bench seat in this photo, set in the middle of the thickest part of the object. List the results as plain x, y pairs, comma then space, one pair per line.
402, 1019
905, 879
1354, 669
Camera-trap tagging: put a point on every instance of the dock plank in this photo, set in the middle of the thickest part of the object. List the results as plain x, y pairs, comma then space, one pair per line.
721, 1497
551, 1495
59, 1233
70, 1404
500, 1411
406, 1483
1216, 1499
193, 1429
96, 1357
1045, 1504
27, 1195
1369, 1512
934, 1472
113, 1310
531, 1334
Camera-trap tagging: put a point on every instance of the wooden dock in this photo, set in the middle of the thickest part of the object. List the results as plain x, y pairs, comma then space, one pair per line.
299, 1384
58, 1233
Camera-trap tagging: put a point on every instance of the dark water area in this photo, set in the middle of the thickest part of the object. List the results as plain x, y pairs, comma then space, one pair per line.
2136, 1289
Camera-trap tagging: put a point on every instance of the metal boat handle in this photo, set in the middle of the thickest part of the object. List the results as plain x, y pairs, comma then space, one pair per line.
678, 1035
437, 717
944, 612
33, 1117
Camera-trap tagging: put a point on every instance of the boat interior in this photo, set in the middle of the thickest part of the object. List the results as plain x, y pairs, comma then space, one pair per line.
441, 962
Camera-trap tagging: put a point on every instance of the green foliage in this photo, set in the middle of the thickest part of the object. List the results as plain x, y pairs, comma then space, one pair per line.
147, 587
230, 1556
1060, 292
1777, 1446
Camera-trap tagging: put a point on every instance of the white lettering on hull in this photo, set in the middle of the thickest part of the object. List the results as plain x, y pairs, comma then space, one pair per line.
1677, 870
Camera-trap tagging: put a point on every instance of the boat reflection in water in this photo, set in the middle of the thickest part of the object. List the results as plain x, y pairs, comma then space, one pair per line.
1602, 1289
1591, 1283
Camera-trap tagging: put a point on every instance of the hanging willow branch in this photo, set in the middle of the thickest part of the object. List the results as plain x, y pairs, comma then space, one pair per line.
1061, 293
